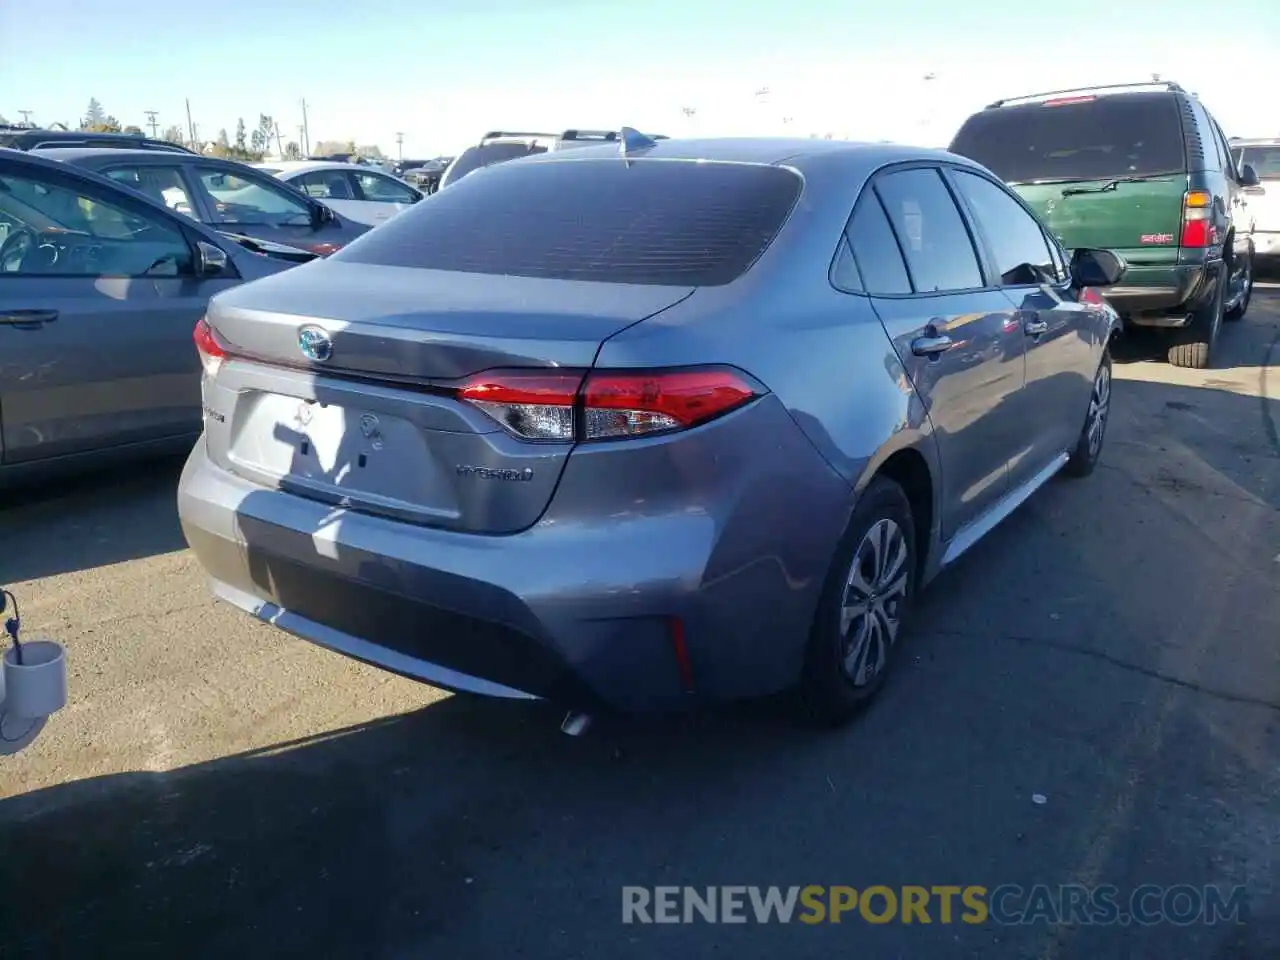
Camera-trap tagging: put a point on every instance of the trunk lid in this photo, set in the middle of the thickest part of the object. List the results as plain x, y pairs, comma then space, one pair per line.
1138, 218
373, 427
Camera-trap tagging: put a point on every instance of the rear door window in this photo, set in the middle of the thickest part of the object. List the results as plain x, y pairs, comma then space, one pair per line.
325, 185
242, 198
930, 230
665, 222
875, 249
1096, 138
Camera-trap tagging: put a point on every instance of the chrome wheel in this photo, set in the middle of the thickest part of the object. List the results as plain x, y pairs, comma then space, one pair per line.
1099, 407
875, 595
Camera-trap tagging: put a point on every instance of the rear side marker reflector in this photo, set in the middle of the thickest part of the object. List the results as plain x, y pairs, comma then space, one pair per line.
605, 404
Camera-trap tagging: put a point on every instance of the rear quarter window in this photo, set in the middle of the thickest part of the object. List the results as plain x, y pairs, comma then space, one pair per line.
1092, 139
663, 222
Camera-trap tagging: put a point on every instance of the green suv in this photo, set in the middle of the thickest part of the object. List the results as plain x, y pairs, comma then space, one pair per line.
1144, 170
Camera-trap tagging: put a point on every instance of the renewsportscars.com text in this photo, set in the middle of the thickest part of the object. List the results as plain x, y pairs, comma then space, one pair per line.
973, 904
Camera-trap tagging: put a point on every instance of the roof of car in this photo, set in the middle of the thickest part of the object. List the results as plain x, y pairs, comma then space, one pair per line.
304, 166
158, 157
765, 150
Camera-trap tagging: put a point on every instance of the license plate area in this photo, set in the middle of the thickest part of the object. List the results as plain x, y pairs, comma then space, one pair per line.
350, 454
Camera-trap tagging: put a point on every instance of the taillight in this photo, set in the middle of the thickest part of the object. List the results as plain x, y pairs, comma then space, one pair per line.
1198, 229
211, 351
323, 249
1091, 295
605, 404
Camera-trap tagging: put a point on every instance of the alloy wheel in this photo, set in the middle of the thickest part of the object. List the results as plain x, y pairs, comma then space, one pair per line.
1099, 407
874, 600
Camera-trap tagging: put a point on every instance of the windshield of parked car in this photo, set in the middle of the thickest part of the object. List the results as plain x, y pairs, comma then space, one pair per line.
1265, 160
651, 221
1094, 138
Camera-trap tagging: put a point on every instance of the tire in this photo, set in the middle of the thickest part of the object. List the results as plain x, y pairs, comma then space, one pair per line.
837, 683
1088, 450
1193, 344
1238, 312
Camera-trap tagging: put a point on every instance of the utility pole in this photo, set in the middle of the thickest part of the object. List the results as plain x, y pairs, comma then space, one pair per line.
151, 122
399, 147
306, 131
302, 140
279, 145
191, 127
26, 117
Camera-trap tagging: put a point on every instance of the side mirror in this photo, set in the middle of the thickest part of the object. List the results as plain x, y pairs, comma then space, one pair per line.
211, 261
1096, 268
1249, 176
320, 215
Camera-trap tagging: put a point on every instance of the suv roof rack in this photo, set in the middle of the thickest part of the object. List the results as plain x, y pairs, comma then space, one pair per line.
1101, 88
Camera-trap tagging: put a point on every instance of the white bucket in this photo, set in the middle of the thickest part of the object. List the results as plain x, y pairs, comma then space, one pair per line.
37, 686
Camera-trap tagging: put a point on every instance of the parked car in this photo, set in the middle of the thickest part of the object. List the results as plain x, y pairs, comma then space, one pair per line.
1143, 169
425, 175
99, 288
1263, 199
357, 191
31, 138
698, 426
223, 194
499, 146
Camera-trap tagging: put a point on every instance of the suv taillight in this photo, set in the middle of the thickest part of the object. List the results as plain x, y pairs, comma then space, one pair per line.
1198, 229
211, 351
606, 404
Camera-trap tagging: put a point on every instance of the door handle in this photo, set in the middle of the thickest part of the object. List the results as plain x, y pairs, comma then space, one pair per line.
28, 319
931, 346
1033, 328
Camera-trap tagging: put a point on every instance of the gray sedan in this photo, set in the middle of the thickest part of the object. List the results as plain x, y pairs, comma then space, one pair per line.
222, 194
100, 290
691, 423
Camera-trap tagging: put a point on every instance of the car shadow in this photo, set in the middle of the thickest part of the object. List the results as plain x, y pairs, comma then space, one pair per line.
86, 521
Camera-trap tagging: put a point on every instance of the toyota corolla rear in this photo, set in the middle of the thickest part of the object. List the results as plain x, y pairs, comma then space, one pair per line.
411, 455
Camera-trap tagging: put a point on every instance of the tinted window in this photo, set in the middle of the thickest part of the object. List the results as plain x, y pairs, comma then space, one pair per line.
844, 272
1264, 160
1214, 158
376, 187
324, 185
929, 228
1228, 161
1016, 240
1107, 137
238, 198
70, 231
650, 221
876, 249
162, 184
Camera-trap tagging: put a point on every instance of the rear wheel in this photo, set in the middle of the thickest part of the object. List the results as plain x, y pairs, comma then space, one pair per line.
1089, 446
863, 606
1193, 344
1246, 279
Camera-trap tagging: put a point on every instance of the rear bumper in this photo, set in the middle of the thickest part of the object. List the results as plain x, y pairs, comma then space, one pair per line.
1160, 296
571, 610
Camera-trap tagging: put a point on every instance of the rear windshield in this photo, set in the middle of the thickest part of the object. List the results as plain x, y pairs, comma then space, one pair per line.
1096, 139
473, 158
666, 222
1264, 160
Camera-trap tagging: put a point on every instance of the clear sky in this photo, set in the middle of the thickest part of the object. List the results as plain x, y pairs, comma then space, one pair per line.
444, 71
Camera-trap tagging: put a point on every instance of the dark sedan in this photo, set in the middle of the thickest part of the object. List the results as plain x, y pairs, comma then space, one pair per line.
226, 195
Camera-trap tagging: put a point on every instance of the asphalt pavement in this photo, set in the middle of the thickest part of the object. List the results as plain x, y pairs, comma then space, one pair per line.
1090, 697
